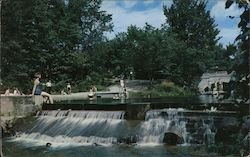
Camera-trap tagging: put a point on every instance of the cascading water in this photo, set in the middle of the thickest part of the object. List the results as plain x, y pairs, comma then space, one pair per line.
159, 122
68, 128
75, 127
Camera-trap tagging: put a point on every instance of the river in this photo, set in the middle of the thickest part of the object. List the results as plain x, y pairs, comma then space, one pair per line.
167, 132
103, 134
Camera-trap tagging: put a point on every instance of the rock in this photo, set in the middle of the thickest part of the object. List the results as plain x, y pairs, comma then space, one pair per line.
128, 140
228, 127
172, 139
7, 127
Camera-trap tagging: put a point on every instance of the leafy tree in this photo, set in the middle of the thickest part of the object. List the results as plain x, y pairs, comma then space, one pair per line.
242, 54
92, 22
20, 44
138, 50
48, 36
152, 54
192, 23
194, 26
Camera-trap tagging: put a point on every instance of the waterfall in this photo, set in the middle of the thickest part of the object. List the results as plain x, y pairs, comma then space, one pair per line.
84, 114
67, 127
75, 127
159, 122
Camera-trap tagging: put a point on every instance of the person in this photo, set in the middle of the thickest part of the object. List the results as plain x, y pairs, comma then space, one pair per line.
94, 89
91, 94
63, 93
48, 86
37, 89
131, 75
122, 83
116, 97
7, 92
16, 92
68, 88
48, 144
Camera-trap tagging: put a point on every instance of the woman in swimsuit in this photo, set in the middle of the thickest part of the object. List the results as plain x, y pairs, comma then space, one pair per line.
37, 89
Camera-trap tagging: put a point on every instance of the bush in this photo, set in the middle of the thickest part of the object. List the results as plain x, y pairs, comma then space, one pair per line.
165, 88
99, 80
61, 85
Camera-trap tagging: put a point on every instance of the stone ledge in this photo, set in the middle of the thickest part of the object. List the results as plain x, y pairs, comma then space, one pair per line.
20, 106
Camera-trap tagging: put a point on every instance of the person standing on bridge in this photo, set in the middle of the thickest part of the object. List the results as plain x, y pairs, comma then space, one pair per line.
37, 89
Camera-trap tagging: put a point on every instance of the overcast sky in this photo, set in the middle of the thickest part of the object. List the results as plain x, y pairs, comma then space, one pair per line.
138, 12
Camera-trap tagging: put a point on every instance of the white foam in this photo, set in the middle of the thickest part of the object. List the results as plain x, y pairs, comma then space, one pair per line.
149, 144
83, 114
159, 122
36, 139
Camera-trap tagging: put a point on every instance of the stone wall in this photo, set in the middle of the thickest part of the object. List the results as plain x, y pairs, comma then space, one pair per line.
14, 107
20, 106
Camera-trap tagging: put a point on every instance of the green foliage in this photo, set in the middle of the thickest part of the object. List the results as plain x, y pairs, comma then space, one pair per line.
241, 54
157, 54
194, 26
165, 88
51, 37
192, 23
92, 79
65, 42
167, 53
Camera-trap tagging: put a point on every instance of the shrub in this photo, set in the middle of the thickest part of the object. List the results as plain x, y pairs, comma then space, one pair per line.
165, 88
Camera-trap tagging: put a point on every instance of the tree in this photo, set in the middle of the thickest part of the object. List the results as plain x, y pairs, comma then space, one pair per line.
138, 50
242, 55
194, 26
48, 36
20, 44
192, 23
91, 20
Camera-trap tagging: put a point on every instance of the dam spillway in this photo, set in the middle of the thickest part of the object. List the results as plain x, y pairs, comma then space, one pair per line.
95, 127
141, 124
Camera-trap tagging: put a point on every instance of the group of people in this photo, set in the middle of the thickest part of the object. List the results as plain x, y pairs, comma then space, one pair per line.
215, 87
16, 92
37, 89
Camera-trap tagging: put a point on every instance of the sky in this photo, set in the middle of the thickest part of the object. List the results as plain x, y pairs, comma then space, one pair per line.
138, 12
